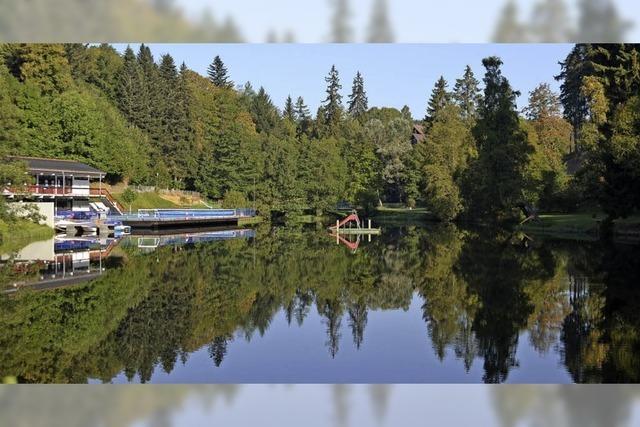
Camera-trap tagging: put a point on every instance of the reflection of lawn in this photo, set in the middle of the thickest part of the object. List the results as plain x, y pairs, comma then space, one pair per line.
20, 233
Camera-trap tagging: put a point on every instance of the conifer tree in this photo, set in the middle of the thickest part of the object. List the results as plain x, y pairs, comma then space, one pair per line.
183, 133
174, 119
440, 97
467, 95
265, 114
341, 31
379, 26
333, 102
358, 101
573, 71
303, 116
218, 74
503, 150
150, 98
289, 110
130, 89
543, 103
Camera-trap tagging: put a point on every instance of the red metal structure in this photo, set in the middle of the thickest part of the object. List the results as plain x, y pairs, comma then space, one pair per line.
351, 218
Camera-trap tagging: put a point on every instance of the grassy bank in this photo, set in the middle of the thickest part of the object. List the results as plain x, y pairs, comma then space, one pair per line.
584, 225
152, 200
18, 234
401, 215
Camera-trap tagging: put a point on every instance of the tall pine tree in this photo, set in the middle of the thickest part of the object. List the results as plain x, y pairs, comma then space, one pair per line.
303, 116
467, 95
573, 71
218, 74
289, 110
333, 101
130, 88
173, 110
358, 101
498, 176
440, 97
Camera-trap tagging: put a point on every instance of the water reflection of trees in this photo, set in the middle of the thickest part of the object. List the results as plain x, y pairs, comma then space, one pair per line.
480, 292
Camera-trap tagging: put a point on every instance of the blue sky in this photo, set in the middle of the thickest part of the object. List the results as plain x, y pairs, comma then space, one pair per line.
395, 74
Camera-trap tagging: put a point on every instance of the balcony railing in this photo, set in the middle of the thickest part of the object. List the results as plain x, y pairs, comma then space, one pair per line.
60, 191
67, 191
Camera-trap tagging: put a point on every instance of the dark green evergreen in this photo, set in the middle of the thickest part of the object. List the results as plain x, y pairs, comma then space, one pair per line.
497, 176
358, 101
289, 110
573, 71
333, 102
303, 115
440, 97
467, 95
218, 74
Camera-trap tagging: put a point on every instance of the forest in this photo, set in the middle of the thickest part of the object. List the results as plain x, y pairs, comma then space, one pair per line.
473, 156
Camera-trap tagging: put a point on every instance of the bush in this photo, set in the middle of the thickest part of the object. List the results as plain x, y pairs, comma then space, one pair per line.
368, 201
129, 196
234, 200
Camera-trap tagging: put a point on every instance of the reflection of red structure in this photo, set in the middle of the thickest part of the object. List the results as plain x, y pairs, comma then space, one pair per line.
351, 245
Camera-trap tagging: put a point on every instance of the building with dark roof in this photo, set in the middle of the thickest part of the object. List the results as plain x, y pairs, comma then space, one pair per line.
69, 184
52, 167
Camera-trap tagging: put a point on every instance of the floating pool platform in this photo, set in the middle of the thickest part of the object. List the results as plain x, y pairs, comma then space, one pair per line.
156, 219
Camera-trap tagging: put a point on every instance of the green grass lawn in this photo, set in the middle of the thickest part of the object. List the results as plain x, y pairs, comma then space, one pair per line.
154, 201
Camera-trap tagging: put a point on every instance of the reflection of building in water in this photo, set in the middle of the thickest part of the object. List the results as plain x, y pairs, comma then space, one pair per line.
153, 242
63, 261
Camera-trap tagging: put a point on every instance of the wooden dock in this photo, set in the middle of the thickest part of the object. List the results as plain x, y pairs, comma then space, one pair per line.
360, 231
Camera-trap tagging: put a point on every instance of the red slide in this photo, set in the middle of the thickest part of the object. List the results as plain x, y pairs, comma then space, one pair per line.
352, 217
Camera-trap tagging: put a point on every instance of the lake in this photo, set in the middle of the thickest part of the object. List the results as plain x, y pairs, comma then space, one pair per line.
435, 304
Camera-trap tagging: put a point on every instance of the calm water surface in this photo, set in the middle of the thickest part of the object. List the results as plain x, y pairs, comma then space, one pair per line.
426, 305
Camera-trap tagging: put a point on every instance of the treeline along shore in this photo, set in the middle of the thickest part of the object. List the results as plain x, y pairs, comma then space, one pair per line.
474, 156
